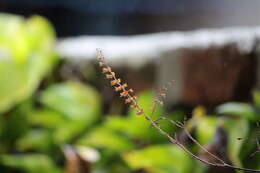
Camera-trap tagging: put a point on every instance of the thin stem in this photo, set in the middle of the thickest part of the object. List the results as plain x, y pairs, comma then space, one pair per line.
195, 141
175, 141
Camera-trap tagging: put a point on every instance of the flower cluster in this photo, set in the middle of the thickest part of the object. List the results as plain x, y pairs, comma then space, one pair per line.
118, 86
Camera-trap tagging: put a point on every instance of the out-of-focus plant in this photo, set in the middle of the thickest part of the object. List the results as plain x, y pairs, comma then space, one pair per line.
35, 124
26, 56
243, 130
160, 159
58, 128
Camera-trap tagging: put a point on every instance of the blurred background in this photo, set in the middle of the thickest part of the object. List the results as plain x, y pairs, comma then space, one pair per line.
59, 114
137, 16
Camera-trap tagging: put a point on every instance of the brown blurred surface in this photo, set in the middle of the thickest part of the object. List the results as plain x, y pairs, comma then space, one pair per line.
217, 74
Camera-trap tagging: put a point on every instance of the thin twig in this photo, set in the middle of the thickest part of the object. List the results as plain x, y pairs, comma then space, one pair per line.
194, 140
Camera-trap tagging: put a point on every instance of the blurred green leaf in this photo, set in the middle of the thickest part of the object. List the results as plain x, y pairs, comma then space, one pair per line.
236, 128
257, 161
206, 129
80, 104
107, 139
25, 64
37, 140
68, 131
14, 126
160, 159
247, 154
46, 118
40, 34
1, 125
30, 163
134, 130
256, 97
73, 99
13, 37
238, 109
136, 126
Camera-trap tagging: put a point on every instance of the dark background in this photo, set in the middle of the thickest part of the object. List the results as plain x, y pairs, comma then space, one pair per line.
126, 17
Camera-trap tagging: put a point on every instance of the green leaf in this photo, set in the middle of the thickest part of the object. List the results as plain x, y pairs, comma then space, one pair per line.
256, 97
1, 125
68, 131
80, 104
238, 109
106, 139
135, 130
30, 163
160, 159
40, 34
17, 122
206, 129
37, 140
21, 60
46, 118
236, 128
136, 126
13, 37
73, 99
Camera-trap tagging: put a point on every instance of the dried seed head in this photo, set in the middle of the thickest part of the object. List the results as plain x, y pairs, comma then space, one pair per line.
140, 112
113, 74
128, 100
124, 94
156, 100
134, 105
100, 57
115, 82
134, 97
121, 87
162, 95
101, 64
118, 88
109, 76
159, 101
106, 69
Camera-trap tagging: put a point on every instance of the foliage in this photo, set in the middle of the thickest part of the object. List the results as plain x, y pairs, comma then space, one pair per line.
26, 55
37, 125
160, 159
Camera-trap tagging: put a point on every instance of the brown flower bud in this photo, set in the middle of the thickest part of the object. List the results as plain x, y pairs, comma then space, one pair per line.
134, 105
131, 90
139, 112
106, 69
121, 87
124, 94
128, 100
116, 81
109, 76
